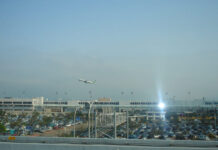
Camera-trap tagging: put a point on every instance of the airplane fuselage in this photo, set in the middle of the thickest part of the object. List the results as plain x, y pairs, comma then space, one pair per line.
87, 81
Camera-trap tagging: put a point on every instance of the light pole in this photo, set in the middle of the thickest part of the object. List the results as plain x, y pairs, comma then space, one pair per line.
115, 124
215, 118
131, 96
166, 94
127, 124
90, 106
122, 93
74, 128
95, 123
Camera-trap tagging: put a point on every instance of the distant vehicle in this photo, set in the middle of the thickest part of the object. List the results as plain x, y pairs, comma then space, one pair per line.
38, 130
162, 137
180, 137
55, 127
201, 137
133, 136
87, 81
68, 125
150, 136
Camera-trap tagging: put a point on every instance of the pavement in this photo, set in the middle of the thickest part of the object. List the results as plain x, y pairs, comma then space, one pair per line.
37, 146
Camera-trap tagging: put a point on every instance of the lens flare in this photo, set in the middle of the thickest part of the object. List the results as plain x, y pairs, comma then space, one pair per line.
161, 105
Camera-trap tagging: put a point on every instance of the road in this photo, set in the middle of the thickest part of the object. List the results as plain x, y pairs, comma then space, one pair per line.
37, 146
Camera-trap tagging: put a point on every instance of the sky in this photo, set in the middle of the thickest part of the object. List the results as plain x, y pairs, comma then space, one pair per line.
134, 49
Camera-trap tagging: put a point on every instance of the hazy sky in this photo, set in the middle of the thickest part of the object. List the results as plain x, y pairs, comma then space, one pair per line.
144, 46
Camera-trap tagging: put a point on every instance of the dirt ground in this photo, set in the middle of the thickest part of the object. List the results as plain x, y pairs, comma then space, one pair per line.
61, 131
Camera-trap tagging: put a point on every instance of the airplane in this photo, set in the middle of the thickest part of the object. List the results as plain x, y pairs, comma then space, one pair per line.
87, 81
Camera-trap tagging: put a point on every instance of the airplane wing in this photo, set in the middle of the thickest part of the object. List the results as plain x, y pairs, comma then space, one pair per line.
91, 82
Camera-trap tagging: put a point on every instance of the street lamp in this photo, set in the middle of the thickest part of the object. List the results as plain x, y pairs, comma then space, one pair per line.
90, 106
74, 130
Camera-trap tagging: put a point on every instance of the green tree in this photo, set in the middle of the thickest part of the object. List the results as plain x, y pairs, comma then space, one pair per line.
2, 128
46, 120
18, 123
3, 117
23, 115
59, 117
69, 116
34, 120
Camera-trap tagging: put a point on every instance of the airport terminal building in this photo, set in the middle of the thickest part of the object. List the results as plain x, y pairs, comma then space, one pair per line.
151, 109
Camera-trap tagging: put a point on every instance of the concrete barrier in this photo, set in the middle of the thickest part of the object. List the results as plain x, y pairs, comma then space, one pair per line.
92, 141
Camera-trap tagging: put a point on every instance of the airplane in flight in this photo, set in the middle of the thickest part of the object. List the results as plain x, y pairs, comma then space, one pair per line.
87, 81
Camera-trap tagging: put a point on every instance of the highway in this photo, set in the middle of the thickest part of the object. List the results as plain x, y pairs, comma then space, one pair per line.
63, 143
45, 146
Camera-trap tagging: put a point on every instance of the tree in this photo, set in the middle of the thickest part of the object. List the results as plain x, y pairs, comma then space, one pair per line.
23, 115
34, 120
59, 117
3, 117
2, 128
46, 120
69, 116
18, 123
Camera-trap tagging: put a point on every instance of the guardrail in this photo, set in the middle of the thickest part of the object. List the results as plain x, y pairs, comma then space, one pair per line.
126, 142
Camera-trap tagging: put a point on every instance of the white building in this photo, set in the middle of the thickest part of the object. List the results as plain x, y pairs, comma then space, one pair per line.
20, 105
